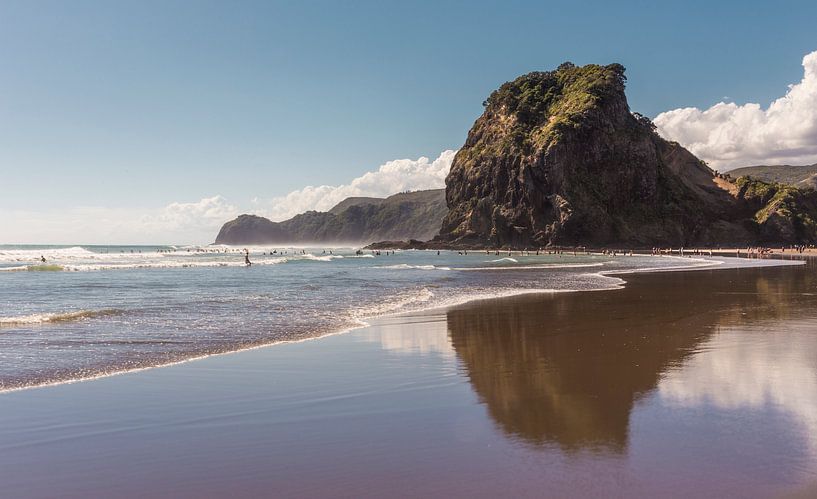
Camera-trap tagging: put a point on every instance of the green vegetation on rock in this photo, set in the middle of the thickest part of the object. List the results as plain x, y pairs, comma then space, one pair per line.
783, 212
557, 158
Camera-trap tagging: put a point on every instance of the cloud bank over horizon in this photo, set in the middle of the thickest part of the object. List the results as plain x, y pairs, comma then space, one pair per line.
198, 222
390, 178
729, 136
176, 223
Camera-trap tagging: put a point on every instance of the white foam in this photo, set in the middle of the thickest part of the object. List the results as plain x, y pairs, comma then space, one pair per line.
422, 295
535, 267
322, 258
30, 255
169, 265
14, 269
708, 263
42, 318
405, 266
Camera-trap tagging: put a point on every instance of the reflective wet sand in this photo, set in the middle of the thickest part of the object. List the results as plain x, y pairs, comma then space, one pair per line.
682, 384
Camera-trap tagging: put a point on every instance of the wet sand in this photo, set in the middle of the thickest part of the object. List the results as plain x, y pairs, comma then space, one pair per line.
682, 384
778, 251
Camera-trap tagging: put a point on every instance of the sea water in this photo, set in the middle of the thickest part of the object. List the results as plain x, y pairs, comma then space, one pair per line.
88, 311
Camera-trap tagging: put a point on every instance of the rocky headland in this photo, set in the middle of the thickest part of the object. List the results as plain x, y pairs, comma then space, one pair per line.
558, 159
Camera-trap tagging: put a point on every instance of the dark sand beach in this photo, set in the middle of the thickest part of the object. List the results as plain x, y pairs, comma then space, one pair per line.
682, 384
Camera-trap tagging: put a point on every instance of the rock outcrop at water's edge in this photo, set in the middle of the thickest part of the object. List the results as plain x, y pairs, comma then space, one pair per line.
558, 159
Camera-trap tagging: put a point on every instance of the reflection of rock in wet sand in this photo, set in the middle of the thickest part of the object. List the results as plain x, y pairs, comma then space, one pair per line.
567, 369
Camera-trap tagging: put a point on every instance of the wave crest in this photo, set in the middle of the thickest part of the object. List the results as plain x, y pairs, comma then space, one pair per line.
43, 318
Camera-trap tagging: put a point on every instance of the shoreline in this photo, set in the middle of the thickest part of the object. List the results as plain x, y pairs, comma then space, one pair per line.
622, 248
368, 321
499, 396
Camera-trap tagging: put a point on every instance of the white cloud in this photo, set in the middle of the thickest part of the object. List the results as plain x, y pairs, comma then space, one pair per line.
406, 339
204, 214
198, 222
176, 223
729, 136
392, 177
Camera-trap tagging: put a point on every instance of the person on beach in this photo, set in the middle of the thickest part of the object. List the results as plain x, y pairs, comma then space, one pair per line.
247, 261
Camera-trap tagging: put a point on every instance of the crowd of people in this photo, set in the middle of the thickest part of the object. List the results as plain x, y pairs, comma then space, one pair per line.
750, 252
681, 251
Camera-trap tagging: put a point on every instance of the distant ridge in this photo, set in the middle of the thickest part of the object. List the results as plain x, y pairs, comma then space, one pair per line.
355, 201
356, 220
800, 176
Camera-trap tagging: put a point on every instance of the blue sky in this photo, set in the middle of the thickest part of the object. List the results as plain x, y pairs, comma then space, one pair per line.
136, 105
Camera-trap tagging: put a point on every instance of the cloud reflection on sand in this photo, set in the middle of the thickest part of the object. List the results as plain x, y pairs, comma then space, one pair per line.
409, 339
768, 366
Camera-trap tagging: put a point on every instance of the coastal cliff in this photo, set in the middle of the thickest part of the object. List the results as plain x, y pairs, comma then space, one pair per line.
557, 158
411, 215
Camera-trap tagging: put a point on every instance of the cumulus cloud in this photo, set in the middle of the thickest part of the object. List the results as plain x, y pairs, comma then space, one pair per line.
204, 214
177, 223
728, 135
390, 178
198, 222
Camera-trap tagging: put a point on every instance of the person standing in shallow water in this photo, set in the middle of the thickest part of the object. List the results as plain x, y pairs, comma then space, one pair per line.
247, 261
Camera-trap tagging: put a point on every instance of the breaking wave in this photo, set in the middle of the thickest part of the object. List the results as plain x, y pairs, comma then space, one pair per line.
405, 266
42, 318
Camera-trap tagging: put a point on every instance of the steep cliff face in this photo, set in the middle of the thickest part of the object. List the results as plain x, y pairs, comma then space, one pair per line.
558, 158
413, 215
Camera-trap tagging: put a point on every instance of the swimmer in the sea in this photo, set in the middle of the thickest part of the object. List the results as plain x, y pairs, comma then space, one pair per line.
247, 261
42, 258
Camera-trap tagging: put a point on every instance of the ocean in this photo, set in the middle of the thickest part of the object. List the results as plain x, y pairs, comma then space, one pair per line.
90, 311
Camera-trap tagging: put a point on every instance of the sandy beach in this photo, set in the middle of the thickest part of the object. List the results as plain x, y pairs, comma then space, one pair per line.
681, 383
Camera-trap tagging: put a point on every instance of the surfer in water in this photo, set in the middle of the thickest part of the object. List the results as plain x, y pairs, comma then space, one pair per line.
42, 258
247, 261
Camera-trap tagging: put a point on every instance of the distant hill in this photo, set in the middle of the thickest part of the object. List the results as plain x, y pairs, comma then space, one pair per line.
800, 176
358, 220
355, 201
